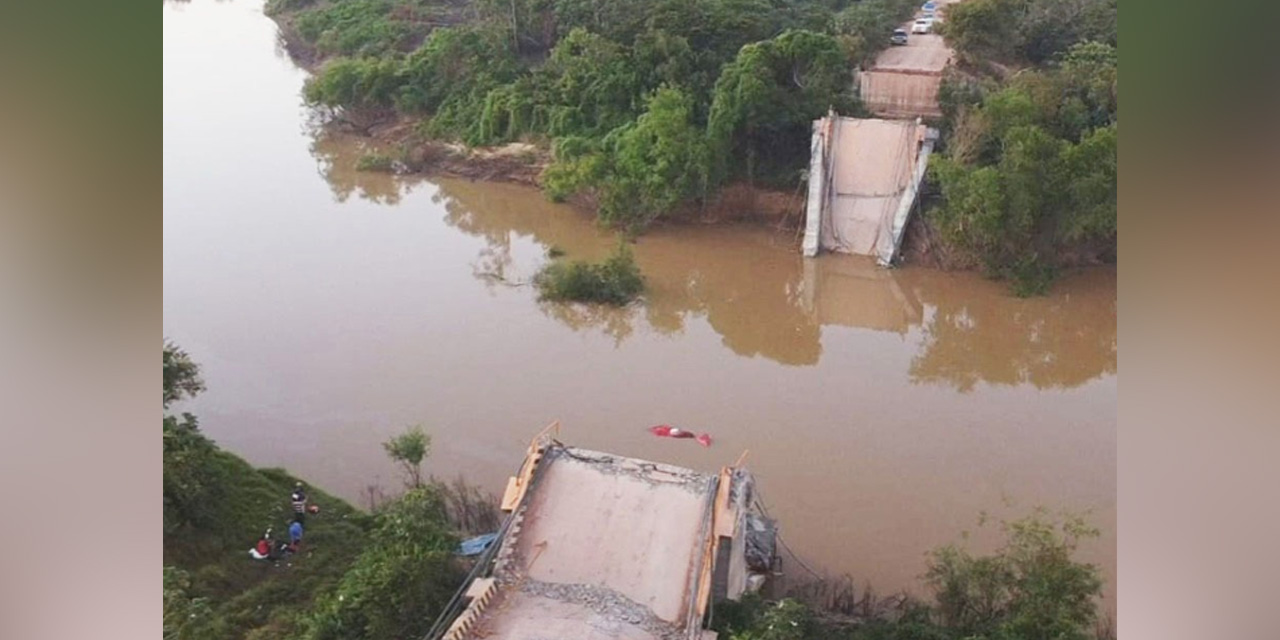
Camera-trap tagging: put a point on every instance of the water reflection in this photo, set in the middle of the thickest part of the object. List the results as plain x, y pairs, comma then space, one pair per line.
1059, 341
763, 299
336, 161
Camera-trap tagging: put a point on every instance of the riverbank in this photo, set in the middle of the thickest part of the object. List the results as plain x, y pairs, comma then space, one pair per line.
395, 147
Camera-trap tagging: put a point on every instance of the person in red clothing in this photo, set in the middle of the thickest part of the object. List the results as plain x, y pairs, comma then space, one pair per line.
262, 551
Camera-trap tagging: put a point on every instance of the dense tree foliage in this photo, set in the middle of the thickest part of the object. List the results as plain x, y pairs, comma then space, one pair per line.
768, 97
1027, 31
1030, 169
640, 170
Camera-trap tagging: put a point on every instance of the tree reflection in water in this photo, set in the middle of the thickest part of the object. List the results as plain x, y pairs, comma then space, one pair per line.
1053, 342
336, 157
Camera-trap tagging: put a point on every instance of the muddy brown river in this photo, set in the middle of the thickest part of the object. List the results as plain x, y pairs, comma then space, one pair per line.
883, 411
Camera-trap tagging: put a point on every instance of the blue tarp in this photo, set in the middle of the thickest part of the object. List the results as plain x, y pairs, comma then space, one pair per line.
475, 546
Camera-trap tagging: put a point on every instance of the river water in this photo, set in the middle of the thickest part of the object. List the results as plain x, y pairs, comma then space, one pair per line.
883, 411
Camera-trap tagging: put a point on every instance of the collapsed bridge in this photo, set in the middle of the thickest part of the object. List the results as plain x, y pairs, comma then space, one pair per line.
599, 546
865, 173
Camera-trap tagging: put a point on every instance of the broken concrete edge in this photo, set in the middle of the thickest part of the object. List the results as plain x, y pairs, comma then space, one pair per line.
517, 485
907, 204
820, 177
502, 548
699, 588
503, 572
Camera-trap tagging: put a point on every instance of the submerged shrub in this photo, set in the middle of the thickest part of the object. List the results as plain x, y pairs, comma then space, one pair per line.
375, 162
616, 280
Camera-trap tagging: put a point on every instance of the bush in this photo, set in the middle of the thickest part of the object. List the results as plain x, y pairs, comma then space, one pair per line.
1030, 588
356, 28
374, 162
616, 281
401, 581
350, 83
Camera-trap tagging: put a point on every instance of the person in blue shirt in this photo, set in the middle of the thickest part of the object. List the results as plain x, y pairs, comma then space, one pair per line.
295, 535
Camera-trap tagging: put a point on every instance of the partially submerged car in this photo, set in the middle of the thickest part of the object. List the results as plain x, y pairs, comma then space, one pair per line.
899, 37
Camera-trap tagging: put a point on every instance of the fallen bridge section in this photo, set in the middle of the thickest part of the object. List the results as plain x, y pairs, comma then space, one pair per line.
604, 547
864, 177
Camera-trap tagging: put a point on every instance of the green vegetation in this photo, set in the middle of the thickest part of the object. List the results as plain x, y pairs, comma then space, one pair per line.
408, 450
652, 106
375, 162
1029, 588
362, 27
615, 281
181, 375
642, 101
1023, 32
1028, 173
384, 574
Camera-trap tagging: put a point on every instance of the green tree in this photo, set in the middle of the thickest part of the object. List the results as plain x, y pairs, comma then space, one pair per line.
1093, 167
655, 163
400, 582
593, 85
363, 88
1030, 588
408, 450
768, 97
181, 375
983, 29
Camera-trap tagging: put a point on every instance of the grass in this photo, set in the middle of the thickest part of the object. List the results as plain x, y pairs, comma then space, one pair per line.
615, 281
238, 597
217, 557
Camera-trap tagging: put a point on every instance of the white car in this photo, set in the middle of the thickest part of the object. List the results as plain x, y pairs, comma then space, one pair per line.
923, 25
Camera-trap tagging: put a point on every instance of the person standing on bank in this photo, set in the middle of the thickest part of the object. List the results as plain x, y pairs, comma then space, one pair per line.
299, 502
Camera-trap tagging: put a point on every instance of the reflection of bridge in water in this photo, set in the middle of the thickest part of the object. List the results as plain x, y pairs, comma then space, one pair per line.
856, 293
